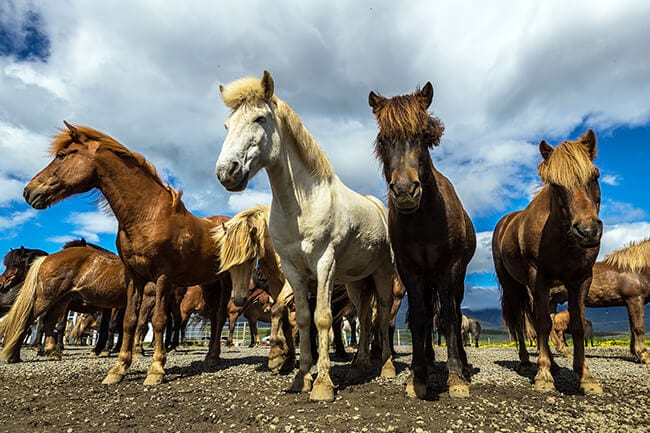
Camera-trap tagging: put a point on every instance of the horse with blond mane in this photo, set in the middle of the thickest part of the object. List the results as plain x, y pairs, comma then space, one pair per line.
622, 278
158, 239
554, 240
323, 231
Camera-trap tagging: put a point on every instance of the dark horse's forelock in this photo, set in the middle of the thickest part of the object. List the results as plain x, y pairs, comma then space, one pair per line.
403, 117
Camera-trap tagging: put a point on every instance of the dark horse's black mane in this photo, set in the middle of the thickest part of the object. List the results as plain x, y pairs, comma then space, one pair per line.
16, 256
82, 243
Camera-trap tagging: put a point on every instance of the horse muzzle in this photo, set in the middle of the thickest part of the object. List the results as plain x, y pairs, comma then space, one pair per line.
239, 300
406, 198
588, 235
232, 175
36, 197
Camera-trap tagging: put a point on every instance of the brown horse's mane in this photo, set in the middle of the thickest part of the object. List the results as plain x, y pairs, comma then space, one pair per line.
634, 257
402, 117
234, 239
67, 137
569, 164
82, 243
249, 91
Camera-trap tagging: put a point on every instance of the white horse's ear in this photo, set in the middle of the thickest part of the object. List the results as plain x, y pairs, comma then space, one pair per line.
220, 88
589, 140
426, 94
545, 149
267, 85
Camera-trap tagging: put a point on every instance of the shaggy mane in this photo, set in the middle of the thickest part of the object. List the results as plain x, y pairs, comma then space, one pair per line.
248, 91
403, 117
568, 165
65, 138
234, 240
634, 257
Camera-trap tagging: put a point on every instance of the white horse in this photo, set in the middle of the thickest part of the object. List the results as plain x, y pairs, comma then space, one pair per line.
323, 231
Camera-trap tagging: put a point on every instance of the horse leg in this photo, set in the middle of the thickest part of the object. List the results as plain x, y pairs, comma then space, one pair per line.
156, 372
133, 299
232, 322
577, 295
103, 333
635, 312
220, 292
50, 319
252, 323
303, 380
339, 347
450, 321
543, 324
278, 353
118, 327
419, 318
359, 295
558, 342
383, 280
60, 331
142, 327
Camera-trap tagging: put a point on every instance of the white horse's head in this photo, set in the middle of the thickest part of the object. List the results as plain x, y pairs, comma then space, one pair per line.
252, 141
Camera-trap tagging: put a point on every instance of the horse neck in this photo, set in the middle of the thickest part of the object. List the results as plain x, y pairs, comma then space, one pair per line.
131, 192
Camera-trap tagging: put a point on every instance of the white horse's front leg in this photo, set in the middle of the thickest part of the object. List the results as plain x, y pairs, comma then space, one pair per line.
323, 389
303, 380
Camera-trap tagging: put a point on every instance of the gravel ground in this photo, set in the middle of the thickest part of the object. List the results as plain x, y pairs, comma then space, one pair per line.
241, 396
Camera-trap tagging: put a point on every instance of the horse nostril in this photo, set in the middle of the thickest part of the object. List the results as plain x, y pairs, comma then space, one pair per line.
234, 167
415, 187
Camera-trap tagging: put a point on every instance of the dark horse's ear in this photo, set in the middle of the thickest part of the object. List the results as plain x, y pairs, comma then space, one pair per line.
589, 140
76, 135
376, 101
545, 149
426, 94
267, 85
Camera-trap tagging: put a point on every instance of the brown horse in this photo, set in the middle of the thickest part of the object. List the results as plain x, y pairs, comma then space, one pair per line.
256, 308
621, 279
17, 263
555, 240
158, 239
431, 234
561, 323
83, 275
471, 330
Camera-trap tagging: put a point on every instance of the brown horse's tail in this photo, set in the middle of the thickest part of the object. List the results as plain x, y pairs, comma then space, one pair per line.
517, 309
17, 320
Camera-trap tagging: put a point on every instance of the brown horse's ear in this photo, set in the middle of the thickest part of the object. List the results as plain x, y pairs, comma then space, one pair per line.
589, 140
76, 135
267, 85
426, 94
376, 101
545, 149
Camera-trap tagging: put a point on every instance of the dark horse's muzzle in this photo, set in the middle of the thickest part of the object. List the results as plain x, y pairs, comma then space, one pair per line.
588, 233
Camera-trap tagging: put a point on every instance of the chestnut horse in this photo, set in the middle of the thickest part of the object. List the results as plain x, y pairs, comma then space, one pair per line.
256, 308
324, 232
158, 239
85, 274
555, 240
621, 279
431, 234
561, 323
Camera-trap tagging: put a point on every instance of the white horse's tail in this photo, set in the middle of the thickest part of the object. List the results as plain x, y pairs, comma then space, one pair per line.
14, 326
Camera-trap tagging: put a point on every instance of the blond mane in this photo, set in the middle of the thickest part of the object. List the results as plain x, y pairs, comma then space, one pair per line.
249, 91
235, 239
67, 137
634, 257
568, 165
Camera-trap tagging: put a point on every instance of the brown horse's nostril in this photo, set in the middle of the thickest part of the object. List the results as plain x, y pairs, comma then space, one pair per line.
414, 187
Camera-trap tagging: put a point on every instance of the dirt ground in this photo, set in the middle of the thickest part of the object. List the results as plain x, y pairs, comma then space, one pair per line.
242, 396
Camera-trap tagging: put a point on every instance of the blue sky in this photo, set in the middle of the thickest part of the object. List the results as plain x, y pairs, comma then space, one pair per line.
505, 76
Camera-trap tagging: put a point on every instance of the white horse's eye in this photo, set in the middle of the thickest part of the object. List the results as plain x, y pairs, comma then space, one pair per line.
225, 125
260, 119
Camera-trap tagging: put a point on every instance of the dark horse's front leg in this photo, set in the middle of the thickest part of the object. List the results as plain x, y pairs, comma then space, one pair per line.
216, 296
420, 318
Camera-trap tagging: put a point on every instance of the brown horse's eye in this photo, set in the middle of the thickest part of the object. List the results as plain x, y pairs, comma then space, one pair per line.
60, 155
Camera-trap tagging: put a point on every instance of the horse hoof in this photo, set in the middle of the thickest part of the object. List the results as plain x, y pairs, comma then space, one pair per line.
388, 371
171, 351
14, 360
92, 354
544, 386
459, 390
322, 392
137, 355
153, 379
301, 383
644, 358
591, 388
104, 354
54, 357
112, 379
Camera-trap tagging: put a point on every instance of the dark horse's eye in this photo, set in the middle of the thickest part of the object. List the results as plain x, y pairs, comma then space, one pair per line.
260, 119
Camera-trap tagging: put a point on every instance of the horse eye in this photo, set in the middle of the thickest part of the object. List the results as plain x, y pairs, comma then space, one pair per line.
260, 119
60, 155
225, 126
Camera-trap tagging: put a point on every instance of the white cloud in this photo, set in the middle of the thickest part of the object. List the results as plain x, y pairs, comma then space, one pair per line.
239, 201
611, 179
90, 224
482, 260
619, 235
615, 212
16, 219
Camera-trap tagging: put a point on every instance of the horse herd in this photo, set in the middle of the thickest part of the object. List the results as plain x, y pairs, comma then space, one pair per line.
321, 242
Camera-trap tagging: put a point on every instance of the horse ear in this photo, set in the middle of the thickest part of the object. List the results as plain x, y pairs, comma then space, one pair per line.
545, 149
267, 85
376, 101
220, 88
426, 94
76, 135
589, 140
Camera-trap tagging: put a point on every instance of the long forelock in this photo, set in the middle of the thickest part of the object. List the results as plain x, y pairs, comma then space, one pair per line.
234, 240
247, 90
633, 257
403, 117
568, 165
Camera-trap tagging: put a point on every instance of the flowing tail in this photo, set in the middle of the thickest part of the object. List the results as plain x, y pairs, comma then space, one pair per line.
14, 326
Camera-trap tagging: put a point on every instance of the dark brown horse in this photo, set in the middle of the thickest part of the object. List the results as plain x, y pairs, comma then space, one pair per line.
555, 240
256, 308
158, 239
431, 234
17, 263
621, 279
